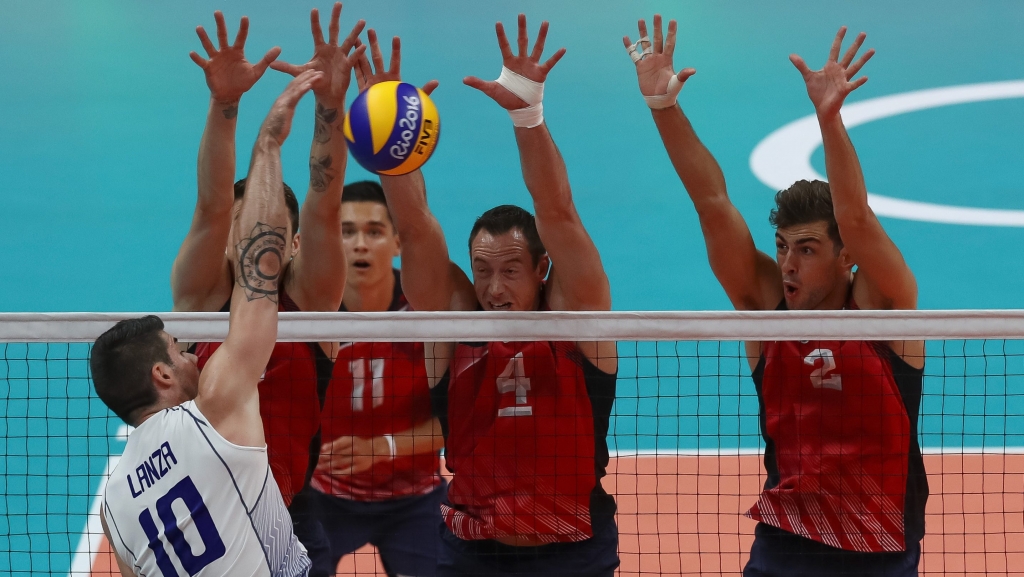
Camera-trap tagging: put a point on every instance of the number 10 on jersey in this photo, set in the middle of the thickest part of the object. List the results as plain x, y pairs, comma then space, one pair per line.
212, 545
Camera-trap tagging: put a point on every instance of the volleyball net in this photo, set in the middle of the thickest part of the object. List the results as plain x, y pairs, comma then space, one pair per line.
684, 436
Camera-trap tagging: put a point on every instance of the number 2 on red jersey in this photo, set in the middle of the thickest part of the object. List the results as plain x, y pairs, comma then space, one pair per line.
820, 376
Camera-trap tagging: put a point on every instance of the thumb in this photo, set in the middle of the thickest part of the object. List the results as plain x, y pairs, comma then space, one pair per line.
198, 59
429, 87
685, 73
474, 82
800, 64
268, 59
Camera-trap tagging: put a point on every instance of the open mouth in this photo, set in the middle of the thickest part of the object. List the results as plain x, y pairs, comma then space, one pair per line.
501, 307
361, 264
791, 290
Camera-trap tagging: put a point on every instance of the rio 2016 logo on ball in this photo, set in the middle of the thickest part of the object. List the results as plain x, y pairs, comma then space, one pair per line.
392, 128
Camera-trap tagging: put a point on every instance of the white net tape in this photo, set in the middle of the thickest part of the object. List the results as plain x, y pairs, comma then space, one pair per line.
545, 326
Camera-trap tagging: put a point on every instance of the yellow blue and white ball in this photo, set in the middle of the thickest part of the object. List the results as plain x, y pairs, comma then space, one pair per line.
392, 128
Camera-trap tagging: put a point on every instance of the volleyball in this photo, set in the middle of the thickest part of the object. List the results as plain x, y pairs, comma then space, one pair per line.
392, 128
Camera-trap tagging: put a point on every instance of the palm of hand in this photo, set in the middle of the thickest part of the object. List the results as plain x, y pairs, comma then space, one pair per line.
524, 67
653, 74
332, 61
229, 75
828, 88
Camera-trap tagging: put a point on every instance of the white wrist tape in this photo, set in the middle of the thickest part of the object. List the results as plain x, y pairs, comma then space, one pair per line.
669, 98
530, 92
391, 445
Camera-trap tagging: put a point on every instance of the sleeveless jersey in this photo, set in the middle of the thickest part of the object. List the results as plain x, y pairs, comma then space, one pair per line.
525, 427
182, 500
289, 405
839, 420
379, 389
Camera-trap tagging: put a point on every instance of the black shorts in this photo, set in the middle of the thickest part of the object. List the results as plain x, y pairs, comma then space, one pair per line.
404, 531
778, 552
595, 557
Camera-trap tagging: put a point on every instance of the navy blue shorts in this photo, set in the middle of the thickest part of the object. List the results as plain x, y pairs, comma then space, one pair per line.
778, 552
595, 557
310, 532
403, 530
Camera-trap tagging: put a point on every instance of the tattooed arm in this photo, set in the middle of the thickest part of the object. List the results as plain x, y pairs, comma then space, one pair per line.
200, 279
228, 394
316, 278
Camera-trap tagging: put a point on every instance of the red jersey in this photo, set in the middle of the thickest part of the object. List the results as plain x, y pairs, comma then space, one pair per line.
379, 389
289, 405
525, 428
839, 419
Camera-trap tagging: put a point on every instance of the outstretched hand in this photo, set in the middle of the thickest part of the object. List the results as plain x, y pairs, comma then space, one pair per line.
228, 74
829, 86
525, 64
279, 121
368, 74
332, 60
654, 69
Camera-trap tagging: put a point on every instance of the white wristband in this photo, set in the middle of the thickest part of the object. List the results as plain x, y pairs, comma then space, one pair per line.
669, 98
529, 91
528, 117
391, 445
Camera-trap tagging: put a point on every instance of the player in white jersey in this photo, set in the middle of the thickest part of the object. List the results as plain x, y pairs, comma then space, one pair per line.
193, 493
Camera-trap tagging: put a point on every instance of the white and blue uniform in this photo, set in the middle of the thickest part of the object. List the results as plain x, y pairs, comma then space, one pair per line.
184, 501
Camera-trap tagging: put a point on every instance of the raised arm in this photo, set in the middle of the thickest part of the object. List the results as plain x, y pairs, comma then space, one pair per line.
884, 279
200, 280
316, 278
751, 279
578, 280
228, 385
429, 280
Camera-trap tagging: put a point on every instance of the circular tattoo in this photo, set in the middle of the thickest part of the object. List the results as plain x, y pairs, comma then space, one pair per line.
261, 261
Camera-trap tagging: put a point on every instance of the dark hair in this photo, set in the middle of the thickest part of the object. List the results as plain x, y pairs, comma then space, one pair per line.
506, 217
289, 200
121, 361
365, 191
803, 203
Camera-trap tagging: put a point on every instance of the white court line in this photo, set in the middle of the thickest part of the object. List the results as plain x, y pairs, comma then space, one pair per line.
89, 543
784, 156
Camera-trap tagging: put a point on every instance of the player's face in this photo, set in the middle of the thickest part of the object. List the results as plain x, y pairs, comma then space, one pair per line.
814, 274
185, 368
370, 243
504, 275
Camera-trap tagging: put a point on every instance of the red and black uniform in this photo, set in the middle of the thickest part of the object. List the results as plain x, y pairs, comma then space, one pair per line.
379, 389
376, 389
289, 405
525, 427
839, 421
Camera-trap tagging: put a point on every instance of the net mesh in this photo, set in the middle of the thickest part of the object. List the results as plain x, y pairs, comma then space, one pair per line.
684, 439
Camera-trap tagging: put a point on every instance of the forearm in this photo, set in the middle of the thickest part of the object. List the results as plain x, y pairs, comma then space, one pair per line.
424, 438
544, 171
264, 190
693, 162
318, 272
426, 278
328, 157
845, 177
216, 162
198, 269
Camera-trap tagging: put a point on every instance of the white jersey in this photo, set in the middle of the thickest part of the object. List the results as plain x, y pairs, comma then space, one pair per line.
184, 501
